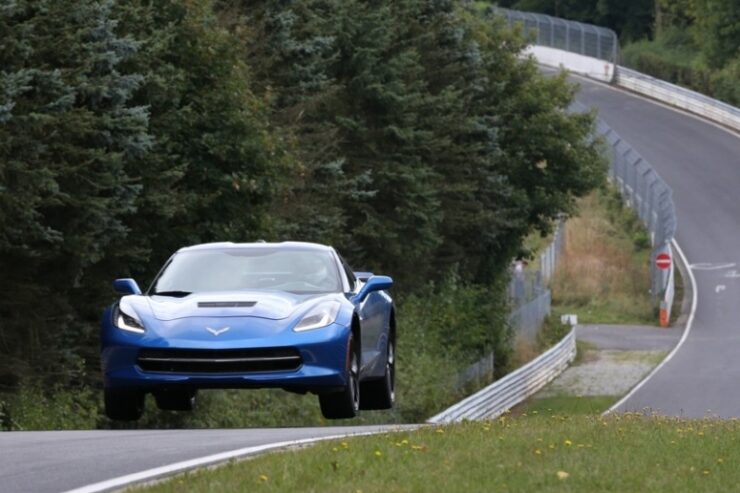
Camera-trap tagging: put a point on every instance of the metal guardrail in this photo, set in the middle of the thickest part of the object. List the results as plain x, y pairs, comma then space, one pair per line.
679, 97
576, 37
512, 389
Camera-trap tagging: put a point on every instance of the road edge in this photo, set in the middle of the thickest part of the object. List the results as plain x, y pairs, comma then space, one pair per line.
687, 329
162, 472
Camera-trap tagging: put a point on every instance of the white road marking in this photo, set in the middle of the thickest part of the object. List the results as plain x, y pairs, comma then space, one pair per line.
720, 288
709, 266
732, 274
687, 330
179, 467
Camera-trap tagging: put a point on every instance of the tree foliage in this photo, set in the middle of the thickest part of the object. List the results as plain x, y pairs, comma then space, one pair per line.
419, 109
68, 129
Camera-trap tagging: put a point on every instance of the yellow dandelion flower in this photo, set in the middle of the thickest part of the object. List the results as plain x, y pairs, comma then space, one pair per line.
344, 444
538, 451
568, 443
263, 478
705, 472
562, 475
405, 442
439, 430
335, 449
378, 453
720, 461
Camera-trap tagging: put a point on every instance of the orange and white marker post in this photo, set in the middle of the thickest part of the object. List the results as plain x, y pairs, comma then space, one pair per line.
663, 261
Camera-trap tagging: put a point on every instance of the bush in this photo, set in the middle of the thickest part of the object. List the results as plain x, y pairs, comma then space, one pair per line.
674, 57
59, 408
440, 331
725, 83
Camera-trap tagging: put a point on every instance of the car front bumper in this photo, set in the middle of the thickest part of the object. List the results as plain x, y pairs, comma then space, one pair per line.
322, 368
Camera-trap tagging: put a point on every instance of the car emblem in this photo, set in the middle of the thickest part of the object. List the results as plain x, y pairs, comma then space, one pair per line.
217, 332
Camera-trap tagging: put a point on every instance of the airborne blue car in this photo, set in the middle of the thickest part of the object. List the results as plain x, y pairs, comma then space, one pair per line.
251, 315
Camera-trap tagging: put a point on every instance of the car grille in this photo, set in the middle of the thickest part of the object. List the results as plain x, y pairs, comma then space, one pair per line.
219, 360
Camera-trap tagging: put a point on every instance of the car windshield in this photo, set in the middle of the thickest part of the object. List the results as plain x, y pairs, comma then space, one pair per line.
237, 269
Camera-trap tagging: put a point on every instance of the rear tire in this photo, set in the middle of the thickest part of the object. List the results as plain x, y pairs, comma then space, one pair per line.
381, 393
124, 404
175, 400
345, 403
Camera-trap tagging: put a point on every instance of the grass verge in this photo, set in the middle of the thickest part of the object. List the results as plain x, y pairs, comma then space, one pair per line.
567, 405
603, 275
533, 453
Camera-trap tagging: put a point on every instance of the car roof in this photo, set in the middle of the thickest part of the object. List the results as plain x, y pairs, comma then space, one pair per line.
286, 245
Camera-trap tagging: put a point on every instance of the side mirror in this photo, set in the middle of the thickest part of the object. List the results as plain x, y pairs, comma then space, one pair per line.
126, 286
363, 276
374, 283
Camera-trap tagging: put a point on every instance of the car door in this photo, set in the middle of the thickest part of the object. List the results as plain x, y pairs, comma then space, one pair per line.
372, 319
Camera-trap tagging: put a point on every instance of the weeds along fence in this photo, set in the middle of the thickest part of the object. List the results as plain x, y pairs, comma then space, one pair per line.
651, 198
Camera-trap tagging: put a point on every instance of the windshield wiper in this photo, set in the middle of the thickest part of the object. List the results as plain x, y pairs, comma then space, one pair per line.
174, 294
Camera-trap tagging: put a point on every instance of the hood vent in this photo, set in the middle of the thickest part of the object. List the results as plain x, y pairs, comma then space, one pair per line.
226, 304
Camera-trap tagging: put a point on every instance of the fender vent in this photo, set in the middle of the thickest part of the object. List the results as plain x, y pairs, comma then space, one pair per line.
226, 304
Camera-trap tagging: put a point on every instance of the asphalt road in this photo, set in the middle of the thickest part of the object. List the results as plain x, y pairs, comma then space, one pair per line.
701, 163
40, 462
698, 160
629, 337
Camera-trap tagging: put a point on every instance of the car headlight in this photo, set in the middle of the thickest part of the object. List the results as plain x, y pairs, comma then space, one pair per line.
319, 316
126, 318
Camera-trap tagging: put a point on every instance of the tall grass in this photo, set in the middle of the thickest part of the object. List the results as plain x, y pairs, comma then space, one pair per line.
603, 275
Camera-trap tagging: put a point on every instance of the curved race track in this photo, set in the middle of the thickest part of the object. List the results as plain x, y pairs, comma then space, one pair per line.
700, 161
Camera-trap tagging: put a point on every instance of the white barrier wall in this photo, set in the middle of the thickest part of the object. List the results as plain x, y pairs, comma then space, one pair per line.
679, 97
580, 64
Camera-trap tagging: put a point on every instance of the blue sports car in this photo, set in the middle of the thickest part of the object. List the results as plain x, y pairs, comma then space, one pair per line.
251, 315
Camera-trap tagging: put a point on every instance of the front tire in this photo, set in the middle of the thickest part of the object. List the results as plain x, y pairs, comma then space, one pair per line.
345, 403
123, 405
175, 400
381, 393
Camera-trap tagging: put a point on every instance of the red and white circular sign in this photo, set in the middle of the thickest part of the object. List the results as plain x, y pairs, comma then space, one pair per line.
663, 261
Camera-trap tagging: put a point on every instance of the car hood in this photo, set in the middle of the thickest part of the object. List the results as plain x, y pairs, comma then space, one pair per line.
272, 305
